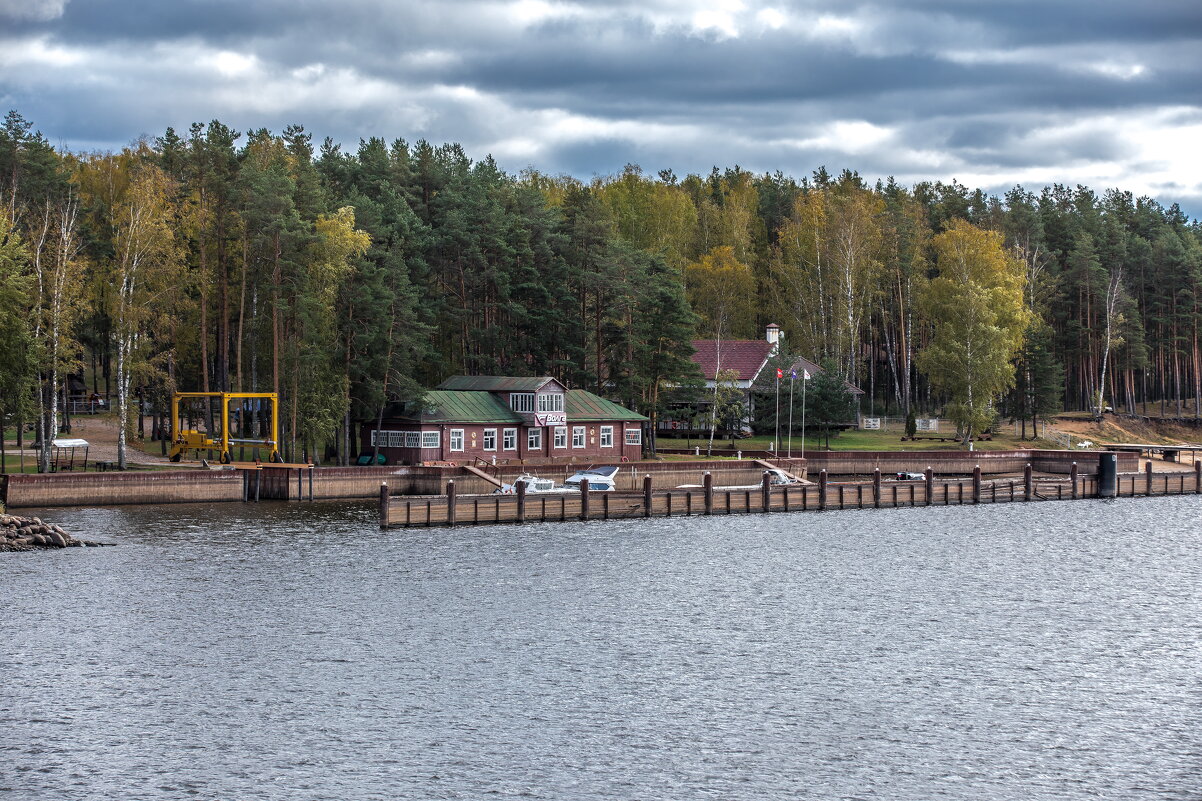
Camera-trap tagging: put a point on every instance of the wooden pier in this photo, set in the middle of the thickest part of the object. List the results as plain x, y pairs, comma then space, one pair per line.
452, 509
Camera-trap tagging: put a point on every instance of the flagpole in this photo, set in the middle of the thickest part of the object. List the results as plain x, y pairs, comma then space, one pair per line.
803, 413
792, 378
776, 443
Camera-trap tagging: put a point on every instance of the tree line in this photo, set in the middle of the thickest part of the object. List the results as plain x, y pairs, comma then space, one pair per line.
345, 278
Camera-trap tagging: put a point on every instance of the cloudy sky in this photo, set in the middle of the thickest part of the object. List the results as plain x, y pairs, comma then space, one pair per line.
1100, 92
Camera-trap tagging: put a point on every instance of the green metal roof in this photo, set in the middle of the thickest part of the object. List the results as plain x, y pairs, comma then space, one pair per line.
451, 406
496, 383
585, 407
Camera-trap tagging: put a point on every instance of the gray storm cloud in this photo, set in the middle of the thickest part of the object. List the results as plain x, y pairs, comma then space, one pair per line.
1102, 93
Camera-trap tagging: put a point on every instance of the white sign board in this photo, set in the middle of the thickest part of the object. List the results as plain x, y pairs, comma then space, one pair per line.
927, 424
551, 419
870, 423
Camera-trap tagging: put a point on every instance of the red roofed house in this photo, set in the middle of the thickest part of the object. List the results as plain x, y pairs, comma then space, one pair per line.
748, 358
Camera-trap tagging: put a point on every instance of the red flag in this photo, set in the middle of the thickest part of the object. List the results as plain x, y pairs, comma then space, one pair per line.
780, 373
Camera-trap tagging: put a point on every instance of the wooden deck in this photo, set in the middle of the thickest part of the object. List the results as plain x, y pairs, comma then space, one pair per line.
456, 510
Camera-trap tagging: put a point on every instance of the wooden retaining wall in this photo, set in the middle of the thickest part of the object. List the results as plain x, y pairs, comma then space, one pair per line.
454, 508
851, 463
110, 489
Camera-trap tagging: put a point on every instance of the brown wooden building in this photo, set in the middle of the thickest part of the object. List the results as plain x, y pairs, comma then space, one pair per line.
502, 419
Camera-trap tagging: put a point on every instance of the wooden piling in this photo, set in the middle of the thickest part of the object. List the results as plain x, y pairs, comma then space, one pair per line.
520, 490
929, 477
976, 484
584, 499
1072, 477
765, 492
876, 487
1028, 488
647, 495
451, 505
822, 478
1148, 477
1197, 477
384, 504
310, 483
708, 482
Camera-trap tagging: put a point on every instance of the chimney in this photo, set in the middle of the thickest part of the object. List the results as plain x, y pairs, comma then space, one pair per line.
773, 333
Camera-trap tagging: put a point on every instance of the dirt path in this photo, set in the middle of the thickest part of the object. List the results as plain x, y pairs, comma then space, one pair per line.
101, 434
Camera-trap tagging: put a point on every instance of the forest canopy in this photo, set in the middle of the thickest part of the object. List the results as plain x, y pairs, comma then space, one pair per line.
344, 278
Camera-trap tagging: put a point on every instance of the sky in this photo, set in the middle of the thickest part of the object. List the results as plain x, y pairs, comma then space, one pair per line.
1105, 93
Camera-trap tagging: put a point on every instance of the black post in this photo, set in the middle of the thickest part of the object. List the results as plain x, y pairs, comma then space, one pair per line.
1027, 487
520, 491
1148, 476
765, 490
876, 487
930, 479
1072, 477
1197, 477
451, 502
258, 476
310, 483
383, 503
584, 499
708, 482
976, 483
822, 490
647, 495
1108, 475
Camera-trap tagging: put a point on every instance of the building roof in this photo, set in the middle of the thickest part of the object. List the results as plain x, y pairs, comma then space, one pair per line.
453, 406
813, 369
745, 356
582, 406
497, 383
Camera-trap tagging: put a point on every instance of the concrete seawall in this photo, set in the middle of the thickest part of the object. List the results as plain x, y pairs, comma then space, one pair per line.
107, 489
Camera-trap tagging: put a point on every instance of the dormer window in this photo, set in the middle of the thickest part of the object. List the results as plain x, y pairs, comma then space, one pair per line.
521, 401
551, 402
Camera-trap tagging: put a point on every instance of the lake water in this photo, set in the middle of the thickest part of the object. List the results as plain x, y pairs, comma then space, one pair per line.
1043, 651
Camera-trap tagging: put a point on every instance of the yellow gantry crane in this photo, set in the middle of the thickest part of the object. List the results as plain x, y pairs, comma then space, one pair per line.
220, 441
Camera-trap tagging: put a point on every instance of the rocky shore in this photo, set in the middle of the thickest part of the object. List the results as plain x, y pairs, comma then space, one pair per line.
32, 533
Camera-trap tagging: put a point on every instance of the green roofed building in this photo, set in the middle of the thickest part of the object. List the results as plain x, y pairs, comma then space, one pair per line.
523, 419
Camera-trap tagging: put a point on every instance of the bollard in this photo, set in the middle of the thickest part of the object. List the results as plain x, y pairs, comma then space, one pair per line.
765, 492
520, 490
930, 480
647, 495
451, 502
1072, 477
1108, 475
584, 499
1027, 488
1197, 477
738, 454
876, 487
1148, 477
310, 483
708, 482
976, 483
822, 490
383, 504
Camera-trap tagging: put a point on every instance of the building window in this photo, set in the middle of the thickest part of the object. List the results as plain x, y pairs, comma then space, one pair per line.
561, 436
551, 402
396, 439
521, 401
577, 436
456, 439
413, 439
431, 439
373, 438
634, 436
490, 439
534, 439
509, 439
607, 436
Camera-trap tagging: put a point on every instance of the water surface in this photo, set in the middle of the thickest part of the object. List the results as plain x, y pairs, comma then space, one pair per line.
1044, 651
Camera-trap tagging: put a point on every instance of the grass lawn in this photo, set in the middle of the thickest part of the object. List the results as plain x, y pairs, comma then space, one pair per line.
859, 441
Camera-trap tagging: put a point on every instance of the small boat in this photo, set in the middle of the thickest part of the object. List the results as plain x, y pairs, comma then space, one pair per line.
534, 485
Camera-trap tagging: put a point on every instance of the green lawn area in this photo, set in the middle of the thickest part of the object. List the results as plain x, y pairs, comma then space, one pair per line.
859, 441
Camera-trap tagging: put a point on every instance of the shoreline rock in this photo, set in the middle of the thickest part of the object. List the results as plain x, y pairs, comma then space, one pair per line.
33, 533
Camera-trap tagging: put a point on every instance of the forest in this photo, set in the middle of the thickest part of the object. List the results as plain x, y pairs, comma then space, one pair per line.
344, 278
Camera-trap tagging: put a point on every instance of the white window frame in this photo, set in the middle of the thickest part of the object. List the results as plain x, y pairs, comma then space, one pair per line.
634, 436
490, 434
521, 401
579, 437
413, 439
396, 439
431, 439
534, 439
373, 437
457, 435
509, 439
550, 402
607, 436
561, 437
